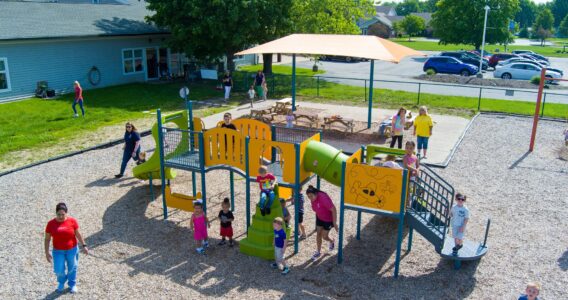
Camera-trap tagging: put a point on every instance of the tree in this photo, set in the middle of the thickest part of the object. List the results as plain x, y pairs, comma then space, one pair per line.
329, 16
559, 11
452, 26
527, 13
428, 6
229, 26
543, 25
407, 6
412, 25
380, 30
524, 33
563, 29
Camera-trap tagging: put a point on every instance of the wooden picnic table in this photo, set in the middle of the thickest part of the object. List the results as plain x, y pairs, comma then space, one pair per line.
263, 114
311, 118
347, 122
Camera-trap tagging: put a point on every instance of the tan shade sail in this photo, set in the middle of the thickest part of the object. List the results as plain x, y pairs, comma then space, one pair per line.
363, 46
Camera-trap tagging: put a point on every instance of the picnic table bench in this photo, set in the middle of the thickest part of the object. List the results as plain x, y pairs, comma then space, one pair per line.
263, 114
311, 118
347, 122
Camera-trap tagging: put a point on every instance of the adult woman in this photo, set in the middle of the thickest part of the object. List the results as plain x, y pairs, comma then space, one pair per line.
78, 99
423, 129
64, 231
326, 217
397, 126
131, 147
227, 84
259, 80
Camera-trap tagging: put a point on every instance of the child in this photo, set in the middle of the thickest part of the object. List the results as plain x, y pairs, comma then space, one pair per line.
266, 181
199, 224
290, 119
410, 161
251, 94
423, 129
460, 217
264, 91
300, 209
390, 162
285, 212
532, 291
279, 246
226, 217
227, 121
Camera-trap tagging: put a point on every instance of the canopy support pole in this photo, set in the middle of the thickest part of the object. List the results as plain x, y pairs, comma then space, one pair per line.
370, 93
293, 82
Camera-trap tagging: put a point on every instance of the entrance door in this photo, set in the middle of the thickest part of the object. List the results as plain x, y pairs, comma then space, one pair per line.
152, 63
163, 63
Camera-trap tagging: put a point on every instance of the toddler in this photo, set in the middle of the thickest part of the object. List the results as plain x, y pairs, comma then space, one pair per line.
285, 212
226, 217
390, 162
279, 246
532, 291
290, 119
460, 216
198, 225
251, 94
410, 160
266, 181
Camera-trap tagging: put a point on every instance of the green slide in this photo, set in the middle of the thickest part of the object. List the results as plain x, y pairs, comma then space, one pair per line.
152, 164
325, 161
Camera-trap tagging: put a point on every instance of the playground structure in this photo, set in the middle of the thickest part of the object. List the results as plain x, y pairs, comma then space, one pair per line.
295, 156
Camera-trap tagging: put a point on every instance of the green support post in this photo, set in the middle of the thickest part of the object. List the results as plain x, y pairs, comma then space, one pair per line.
247, 182
231, 178
369, 118
400, 222
341, 217
293, 82
162, 168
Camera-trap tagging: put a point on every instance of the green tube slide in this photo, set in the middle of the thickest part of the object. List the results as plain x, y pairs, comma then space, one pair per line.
152, 164
325, 161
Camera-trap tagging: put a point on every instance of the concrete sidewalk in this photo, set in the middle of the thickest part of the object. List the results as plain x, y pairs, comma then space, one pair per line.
447, 129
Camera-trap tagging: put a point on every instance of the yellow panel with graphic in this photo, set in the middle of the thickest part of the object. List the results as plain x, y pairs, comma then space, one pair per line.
198, 125
285, 153
356, 158
374, 188
180, 201
224, 146
255, 130
303, 173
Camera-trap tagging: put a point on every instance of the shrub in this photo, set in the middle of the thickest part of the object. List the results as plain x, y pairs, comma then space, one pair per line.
524, 34
535, 80
430, 72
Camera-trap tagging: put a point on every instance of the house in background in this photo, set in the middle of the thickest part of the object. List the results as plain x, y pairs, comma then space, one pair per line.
96, 42
384, 19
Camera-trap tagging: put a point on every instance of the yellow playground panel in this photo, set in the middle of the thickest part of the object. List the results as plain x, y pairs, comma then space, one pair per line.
224, 146
303, 146
286, 155
374, 188
180, 201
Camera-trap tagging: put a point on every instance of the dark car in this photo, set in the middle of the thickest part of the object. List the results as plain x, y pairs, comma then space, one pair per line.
466, 58
495, 58
339, 58
449, 65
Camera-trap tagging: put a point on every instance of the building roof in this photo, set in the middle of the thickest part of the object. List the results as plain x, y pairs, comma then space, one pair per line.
73, 18
363, 46
383, 9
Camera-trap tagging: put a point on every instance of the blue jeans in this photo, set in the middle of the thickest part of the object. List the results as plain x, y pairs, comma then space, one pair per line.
80, 105
126, 156
263, 195
422, 142
71, 257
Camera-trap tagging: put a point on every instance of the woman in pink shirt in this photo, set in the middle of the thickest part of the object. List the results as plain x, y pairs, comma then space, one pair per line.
78, 99
326, 217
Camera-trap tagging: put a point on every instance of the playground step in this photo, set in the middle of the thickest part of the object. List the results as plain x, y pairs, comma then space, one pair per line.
260, 237
434, 234
249, 248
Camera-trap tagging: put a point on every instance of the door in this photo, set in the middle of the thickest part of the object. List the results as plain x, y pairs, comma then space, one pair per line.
151, 63
531, 71
163, 63
453, 65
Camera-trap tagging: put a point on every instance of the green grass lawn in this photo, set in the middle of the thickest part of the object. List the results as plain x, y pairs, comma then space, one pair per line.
279, 69
433, 46
36, 123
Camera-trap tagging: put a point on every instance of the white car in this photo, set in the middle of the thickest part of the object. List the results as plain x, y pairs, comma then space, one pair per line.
527, 61
522, 71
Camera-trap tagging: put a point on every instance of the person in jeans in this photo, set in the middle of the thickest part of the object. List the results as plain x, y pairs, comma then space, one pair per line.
131, 148
227, 85
64, 231
423, 129
78, 99
397, 126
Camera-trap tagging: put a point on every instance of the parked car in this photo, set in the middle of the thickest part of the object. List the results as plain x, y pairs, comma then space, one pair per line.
339, 58
522, 52
486, 54
495, 58
528, 61
449, 65
522, 71
535, 58
465, 58
474, 56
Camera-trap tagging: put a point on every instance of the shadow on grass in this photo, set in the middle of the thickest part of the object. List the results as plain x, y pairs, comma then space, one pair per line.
168, 250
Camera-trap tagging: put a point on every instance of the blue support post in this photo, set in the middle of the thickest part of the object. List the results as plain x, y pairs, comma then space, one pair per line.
318, 182
162, 168
202, 169
296, 199
358, 225
409, 247
190, 123
371, 93
194, 183
293, 82
400, 222
341, 217
247, 181
273, 138
231, 178
151, 187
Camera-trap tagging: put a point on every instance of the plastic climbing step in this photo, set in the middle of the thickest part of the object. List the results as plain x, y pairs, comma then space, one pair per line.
261, 233
419, 221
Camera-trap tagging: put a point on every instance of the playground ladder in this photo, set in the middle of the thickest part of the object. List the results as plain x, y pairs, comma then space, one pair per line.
431, 200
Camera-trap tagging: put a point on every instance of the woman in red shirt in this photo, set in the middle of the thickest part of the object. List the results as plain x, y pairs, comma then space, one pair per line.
64, 231
326, 218
78, 99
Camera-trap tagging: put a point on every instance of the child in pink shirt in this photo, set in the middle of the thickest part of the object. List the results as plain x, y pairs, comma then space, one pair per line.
326, 217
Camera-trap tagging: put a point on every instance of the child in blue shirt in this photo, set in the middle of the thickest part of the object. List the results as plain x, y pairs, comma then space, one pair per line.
532, 291
279, 246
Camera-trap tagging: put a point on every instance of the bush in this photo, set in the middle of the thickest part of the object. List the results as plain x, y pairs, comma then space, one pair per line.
535, 80
524, 34
430, 72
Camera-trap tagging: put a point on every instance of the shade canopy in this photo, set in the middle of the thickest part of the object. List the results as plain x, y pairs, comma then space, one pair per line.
362, 46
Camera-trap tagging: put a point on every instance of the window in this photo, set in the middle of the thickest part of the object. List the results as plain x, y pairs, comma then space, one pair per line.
132, 61
519, 67
529, 67
4, 75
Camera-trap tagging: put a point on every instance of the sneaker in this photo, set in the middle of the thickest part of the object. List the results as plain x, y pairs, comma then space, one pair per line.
200, 250
205, 244
332, 246
60, 288
455, 252
285, 271
262, 212
274, 265
118, 175
73, 289
316, 256
75, 115
267, 210
231, 243
222, 242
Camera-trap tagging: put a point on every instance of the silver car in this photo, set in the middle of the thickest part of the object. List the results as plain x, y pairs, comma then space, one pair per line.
528, 61
522, 71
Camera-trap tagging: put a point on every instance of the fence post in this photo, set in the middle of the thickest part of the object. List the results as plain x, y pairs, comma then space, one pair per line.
418, 101
543, 102
479, 99
318, 85
365, 98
